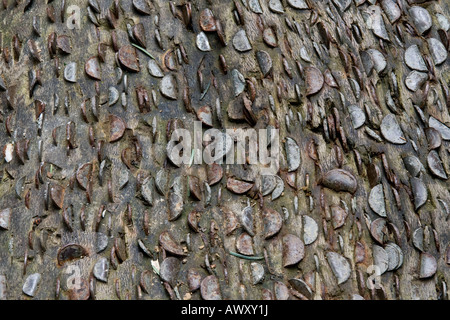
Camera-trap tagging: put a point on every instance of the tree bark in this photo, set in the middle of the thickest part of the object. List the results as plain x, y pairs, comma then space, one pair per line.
287, 49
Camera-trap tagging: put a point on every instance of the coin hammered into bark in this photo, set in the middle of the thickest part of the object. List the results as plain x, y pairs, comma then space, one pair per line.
241, 42
57, 193
367, 62
139, 35
360, 252
231, 221
357, 115
376, 200
361, 86
293, 250
338, 215
169, 269
257, 272
314, 80
207, 20
210, 288
276, 6
144, 248
31, 284
439, 126
113, 96
238, 82
378, 229
340, 266
417, 239
272, 222
71, 252
343, 4
193, 218
293, 154
340, 180
92, 68
414, 59
376, 23
214, 173
176, 203
413, 165
270, 37
419, 191
434, 138
204, 114
391, 9
161, 181
145, 281
379, 61
268, 184
117, 128
330, 79
169, 244
301, 287
255, 6
195, 187
101, 270
435, 165
380, 258
70, 72
8, 152
266, 294
310, 230
395, 256
202, 42
298, 4
147, 191
264, 61
101, 242
281, 290
194, 279
428, 265
154, 69
414, 80
141, 6
128, 58
5, 218
168, 87
421, 18
438, 51
120, 249
244, 244
94, 5
391, 130
279, 188
238, 186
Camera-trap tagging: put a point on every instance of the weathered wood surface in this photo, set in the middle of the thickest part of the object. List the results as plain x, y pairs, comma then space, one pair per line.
31, 242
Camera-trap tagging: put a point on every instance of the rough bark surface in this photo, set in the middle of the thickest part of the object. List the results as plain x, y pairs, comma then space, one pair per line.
45, 148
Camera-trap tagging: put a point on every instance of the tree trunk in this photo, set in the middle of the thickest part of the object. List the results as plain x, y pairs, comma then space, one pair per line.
85, 146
